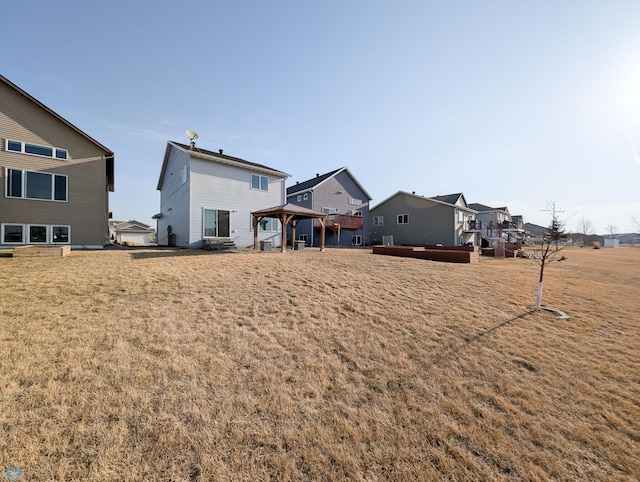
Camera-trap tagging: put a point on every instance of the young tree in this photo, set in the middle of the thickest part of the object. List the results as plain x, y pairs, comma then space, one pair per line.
549, 248
585, 229
635, 223
612, 230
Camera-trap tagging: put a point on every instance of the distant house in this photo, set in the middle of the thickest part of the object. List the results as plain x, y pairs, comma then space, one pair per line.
206, 195
132, 233
497, 223
413, 219
338, 194
56, 178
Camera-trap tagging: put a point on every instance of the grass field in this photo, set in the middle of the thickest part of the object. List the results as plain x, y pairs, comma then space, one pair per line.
165, 365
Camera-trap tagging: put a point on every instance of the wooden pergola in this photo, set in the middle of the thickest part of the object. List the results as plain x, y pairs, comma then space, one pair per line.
288, 213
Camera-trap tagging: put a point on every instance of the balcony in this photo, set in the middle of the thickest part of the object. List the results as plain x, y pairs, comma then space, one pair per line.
475, 225
347, 222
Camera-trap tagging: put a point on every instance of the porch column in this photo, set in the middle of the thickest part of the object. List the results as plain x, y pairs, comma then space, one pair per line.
255, 232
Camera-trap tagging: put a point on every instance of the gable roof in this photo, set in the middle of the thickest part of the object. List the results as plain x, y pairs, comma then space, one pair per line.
218, 157
483, 208
428, 199
451, 198
319, 179
108, 152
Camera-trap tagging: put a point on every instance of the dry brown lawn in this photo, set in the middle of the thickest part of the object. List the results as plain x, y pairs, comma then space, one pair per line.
169, 365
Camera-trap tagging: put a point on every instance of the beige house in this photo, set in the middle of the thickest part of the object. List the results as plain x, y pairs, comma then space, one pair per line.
55, 178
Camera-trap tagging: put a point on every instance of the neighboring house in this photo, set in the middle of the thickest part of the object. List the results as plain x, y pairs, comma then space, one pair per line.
413, 219
498, 224
338, 194
132, 233
210, 195
56, 179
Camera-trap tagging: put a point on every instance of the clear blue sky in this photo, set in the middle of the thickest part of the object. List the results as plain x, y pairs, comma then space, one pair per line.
512, 103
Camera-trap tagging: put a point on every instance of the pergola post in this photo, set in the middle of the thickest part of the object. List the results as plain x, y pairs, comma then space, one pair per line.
293, 233
255, 232
322, 235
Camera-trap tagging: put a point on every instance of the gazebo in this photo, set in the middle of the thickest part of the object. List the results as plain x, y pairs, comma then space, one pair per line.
287, 213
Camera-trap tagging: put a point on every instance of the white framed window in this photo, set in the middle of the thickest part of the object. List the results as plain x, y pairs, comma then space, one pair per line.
356, 240
35, 234
355, 201
260, 183
36, 150
13, 233
184, 176
460, 217
268, 224
403, 219
299, 198
36, 185
378, 220
329, 210
305, 196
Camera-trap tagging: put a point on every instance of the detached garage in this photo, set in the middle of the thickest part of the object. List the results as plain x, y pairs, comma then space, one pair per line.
131, 233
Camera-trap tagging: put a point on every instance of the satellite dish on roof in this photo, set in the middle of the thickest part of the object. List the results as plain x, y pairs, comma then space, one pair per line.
192, 137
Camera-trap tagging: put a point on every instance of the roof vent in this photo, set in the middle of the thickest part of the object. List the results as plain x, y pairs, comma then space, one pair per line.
413, 192
317, 175
220, 151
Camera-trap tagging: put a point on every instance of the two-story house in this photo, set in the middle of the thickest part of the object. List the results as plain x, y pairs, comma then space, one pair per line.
414, 219
206, 195
498, 224
338, 194
56, 179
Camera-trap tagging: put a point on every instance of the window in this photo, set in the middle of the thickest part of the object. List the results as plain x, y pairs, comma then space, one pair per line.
60, 234
378, 220
355, 213
36, 150
355, 201
260, 183
36, 185
299, 198
329, 210
403, 219
268, 224
210, 224
184, 174
356, 240
215, 223
460, 217
306, 196
35, 234
38, 234
12, 233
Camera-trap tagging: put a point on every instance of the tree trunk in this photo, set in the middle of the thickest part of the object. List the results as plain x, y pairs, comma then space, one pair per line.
539, 296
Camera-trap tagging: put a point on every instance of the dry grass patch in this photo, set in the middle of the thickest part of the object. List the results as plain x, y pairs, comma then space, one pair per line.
186, 365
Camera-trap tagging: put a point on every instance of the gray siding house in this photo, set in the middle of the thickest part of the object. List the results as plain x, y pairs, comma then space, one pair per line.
338, 194
413, 219
56, 179
498, 224
207, 195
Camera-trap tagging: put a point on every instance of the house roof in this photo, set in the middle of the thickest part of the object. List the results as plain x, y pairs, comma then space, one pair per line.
484, 208
310, 184
131, 225
218, 157
428, 199
449, 198
108, 152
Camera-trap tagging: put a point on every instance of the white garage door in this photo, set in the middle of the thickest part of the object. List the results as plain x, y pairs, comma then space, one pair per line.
133, 238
